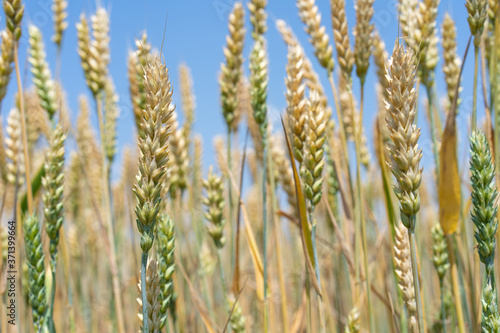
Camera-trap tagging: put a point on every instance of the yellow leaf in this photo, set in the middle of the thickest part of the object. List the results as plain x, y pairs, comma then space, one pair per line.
449, 179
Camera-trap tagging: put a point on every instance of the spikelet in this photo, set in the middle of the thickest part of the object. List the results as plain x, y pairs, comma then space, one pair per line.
207, 261
178, 164
137, 62
332, 185
188, 101
129, 167
311, 17
6, 60
363, 37
36, 270
41, 73
237, 320
60, 24
214, 202
258, 83
111, 113
13, 148
490, 321
405, 153
310, 76
439, 251
153, 297
94, 54
37, 123
89, 148
348, 108
345, 56
426, 36
451, 65
402, 262
83, 34
153, 145
258, 17
196, 170
477, 17
166, 264
99, 49
14, 11
314, 149
483, 196
72, 187
296, 103
231, 70
244, 103
353, 321
408, 18
53, 185
380, 58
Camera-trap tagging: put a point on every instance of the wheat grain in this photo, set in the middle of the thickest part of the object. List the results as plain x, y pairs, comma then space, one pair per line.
363, 31
14, 11
237, 319
41, 73
451, 65
166, 265
296, 103
53, 185
345, 56
258, 17
214, 201
154, 150
111, 113
309, 14
477, 17
153, 298
6, 60
13, 148
258, 84
59, 8
405, 153
36, 270
402, 262
231, 70
313, 158
353, 321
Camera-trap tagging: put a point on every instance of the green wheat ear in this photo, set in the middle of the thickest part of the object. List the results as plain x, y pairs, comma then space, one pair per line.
166, 264
483, 196
36, 270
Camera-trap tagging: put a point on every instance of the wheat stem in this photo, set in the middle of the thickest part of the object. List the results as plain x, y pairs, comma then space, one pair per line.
474, 93
144, 294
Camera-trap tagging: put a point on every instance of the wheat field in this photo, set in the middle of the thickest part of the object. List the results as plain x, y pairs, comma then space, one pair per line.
318, 222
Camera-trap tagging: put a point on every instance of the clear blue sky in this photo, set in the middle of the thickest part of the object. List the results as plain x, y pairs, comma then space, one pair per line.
195, 35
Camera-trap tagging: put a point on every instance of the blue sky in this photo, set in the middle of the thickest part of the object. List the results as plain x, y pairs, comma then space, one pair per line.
195, 34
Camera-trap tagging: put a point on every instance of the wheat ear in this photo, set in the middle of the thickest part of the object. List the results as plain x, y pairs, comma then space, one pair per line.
152, 283
166, 264
60, 14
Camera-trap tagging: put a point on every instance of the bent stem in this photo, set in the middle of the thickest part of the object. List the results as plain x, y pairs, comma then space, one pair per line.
416, 285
